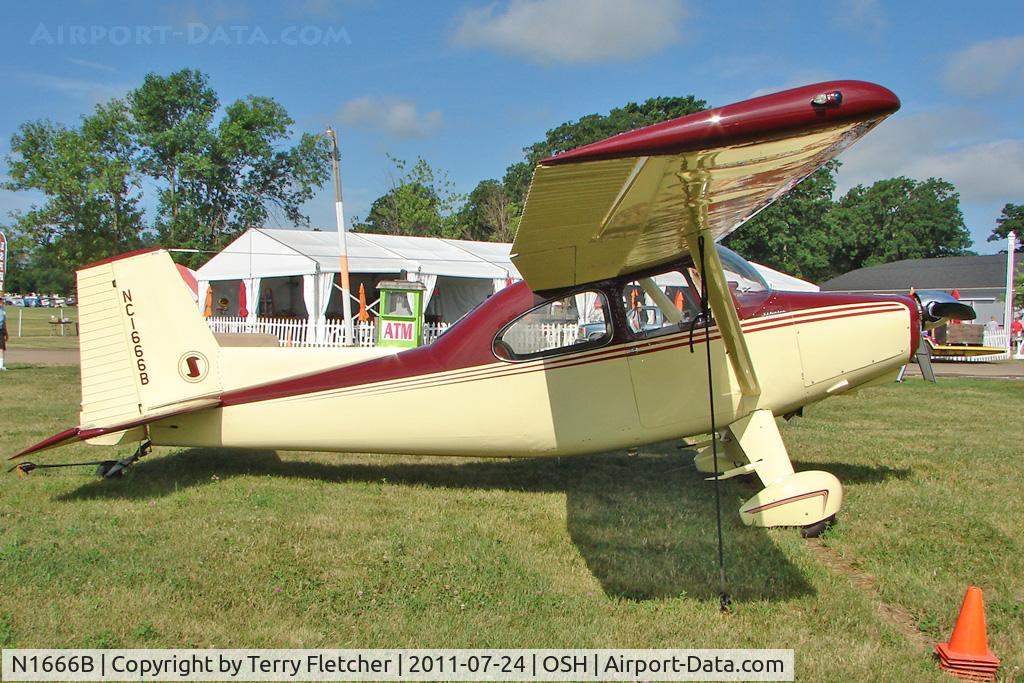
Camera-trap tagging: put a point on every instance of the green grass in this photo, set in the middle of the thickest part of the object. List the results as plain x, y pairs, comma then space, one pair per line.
36, 330
203, 547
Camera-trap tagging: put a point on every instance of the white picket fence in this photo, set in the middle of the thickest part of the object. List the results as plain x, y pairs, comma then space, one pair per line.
298, 331
1000, 339
531, 338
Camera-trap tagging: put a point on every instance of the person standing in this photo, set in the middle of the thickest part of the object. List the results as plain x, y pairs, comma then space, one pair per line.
3, 335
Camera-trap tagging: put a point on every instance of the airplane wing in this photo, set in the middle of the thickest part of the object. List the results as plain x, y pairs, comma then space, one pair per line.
643, 198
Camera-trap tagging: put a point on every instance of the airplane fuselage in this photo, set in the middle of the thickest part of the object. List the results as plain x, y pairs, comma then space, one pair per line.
458, 397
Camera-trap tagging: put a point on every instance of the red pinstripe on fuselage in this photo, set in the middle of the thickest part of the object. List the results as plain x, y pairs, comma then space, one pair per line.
464, 353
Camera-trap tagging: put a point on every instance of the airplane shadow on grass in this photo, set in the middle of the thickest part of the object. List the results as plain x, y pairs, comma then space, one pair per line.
644, 525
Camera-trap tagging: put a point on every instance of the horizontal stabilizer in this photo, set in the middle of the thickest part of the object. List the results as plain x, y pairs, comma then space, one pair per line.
86, 432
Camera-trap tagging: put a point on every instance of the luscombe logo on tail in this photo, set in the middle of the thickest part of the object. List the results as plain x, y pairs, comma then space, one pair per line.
193, 367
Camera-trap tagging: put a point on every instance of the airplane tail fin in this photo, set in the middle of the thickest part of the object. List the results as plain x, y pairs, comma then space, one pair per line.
144, 346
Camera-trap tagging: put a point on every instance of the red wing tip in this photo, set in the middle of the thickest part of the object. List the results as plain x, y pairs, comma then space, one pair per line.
742, 121
50, 442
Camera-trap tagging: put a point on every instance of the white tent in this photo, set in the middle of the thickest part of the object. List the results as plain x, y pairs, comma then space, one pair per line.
276, 265
784, 282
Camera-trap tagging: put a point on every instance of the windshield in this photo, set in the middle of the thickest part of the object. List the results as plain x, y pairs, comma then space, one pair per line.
740, 272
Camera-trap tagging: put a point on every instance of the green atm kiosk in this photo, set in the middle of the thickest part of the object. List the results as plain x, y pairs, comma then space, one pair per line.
401, 314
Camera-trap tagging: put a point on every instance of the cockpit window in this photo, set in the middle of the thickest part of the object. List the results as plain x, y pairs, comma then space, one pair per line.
573, 323
656, 305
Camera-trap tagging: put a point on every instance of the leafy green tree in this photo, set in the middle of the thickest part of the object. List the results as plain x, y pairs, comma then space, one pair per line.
242, 176
895, 219
421, 202
91, 192
217, 181
793, 234
212, 180
172, 116
1012, 218
490, 214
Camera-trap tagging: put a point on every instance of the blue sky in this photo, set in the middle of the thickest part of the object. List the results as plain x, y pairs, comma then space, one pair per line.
467, 84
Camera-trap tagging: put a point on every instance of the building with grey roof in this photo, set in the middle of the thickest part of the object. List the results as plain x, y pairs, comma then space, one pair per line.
979, 280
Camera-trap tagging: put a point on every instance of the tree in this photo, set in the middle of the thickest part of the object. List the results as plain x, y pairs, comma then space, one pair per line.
211, 181
172, 116
421, 202
793, 234
895, 219
489, 214
217, 181
242, 176
91, 190
1012, 218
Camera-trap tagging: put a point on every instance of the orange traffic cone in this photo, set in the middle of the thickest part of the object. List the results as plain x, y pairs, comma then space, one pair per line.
966, 654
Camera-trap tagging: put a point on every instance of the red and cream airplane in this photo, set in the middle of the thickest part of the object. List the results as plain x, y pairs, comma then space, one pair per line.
561, 363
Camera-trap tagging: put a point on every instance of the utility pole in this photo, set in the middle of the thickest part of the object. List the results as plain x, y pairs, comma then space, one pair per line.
1011, 246
346, 305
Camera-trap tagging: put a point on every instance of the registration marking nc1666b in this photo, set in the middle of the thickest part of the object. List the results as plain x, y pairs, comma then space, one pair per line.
136, 338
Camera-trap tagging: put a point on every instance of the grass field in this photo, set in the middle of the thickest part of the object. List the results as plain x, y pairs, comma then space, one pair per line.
230, 549
36, 330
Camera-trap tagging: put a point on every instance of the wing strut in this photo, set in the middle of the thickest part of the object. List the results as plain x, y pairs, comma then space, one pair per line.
714, 283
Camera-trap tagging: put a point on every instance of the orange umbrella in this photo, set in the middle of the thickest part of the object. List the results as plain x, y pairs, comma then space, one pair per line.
362, 316
680, 304
208, 312
242, 310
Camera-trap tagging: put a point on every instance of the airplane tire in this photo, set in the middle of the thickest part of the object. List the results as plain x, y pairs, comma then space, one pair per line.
104, 469
814, 530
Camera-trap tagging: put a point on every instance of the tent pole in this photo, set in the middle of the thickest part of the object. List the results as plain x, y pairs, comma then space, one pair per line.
343, 247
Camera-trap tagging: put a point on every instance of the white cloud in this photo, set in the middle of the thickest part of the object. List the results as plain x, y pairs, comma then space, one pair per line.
986, 67
93, 92
987, 171
573, 31
944, 144
393, 116
216, 12
862, 16
91, 65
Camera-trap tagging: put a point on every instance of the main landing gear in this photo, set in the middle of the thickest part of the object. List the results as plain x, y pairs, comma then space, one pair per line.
753, 445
